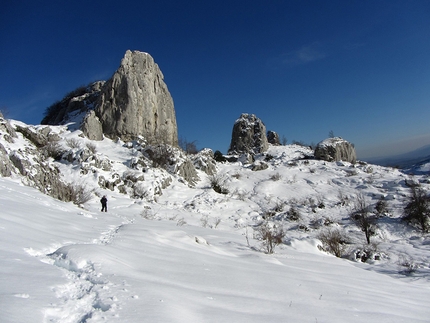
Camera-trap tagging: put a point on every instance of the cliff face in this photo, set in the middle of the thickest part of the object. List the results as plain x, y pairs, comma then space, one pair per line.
136, 102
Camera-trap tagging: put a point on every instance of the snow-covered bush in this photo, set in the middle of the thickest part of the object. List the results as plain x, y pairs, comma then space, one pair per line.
73, 143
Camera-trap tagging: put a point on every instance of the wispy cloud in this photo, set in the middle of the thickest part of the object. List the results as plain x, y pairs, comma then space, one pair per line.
304, 55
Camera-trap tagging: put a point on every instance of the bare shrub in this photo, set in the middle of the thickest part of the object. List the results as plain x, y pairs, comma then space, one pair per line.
73, 143
204, 221
294, 214
219, 157
78, 193
241, 195
407, 266
275, 177
268, 214
236, 175
189, 147
217, 221
147, 214
333, 241
279, 206
351, 172
217, 183
271, 236
327, 221
161, 155
321, 204
181, 222
381, 207
52, 149
91, 147
343, 199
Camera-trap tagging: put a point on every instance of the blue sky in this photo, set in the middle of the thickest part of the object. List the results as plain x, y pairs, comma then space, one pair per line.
358, 68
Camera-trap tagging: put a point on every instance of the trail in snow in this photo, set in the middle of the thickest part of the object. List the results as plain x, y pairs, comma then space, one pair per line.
87, 293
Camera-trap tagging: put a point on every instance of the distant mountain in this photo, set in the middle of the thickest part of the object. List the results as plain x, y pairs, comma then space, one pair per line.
405, 161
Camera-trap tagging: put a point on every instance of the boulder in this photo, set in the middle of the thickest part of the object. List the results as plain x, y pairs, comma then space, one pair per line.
335, 149
136, 102
92, 127
249, 136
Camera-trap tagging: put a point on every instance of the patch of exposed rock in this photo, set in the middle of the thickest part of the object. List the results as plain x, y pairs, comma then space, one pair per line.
335, 149
136, 102
248, 136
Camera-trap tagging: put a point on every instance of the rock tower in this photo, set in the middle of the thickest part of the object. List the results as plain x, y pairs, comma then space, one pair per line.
136, 102
249, 136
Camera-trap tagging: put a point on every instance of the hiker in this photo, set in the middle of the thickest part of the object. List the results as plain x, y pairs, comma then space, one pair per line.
104, 203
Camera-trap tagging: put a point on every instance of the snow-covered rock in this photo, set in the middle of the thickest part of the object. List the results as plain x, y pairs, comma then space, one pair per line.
336, 149
248, 136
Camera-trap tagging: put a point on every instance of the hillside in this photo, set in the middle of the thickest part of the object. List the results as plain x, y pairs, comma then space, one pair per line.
172, 249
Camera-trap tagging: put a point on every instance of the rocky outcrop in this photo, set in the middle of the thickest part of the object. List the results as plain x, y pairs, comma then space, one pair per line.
74, 105
248, 136
335, 149
30, 162
273, 138
6, 166
204, 160
136, 102
39, 136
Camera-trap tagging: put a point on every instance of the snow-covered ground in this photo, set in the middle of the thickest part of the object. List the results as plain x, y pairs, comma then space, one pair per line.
191, 254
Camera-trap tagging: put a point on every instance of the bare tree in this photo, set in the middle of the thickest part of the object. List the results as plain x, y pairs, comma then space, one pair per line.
363, 218
417, 211
284, 140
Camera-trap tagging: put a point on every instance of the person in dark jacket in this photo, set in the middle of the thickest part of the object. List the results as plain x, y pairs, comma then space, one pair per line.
104, 203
